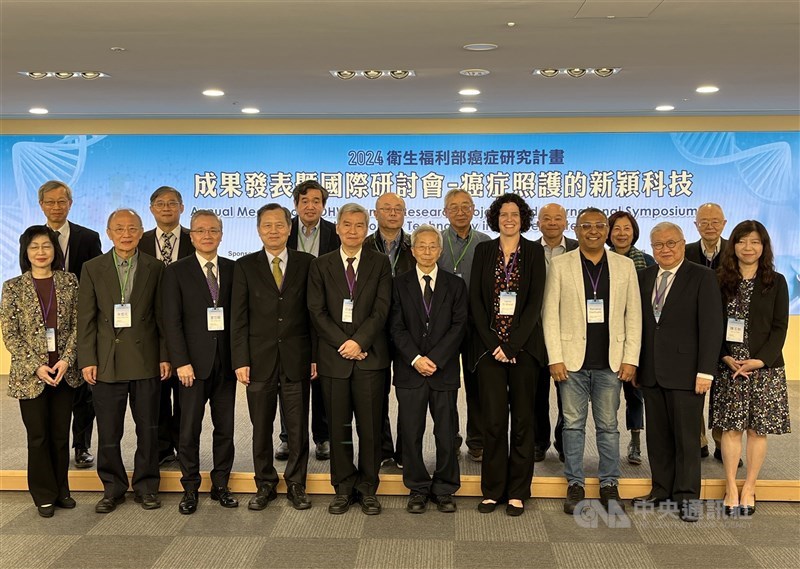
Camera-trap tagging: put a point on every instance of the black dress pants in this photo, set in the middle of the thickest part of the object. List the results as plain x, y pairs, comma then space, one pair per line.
169, 417
111, 400
46, 420
389, 449
319, 422
82, 417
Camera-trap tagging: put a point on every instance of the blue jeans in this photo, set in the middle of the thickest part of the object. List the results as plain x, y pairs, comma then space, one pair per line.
602, 387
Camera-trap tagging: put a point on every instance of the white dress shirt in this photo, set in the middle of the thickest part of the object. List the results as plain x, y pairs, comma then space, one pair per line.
176, 242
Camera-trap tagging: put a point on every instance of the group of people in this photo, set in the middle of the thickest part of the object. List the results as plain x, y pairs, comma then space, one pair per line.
325, 318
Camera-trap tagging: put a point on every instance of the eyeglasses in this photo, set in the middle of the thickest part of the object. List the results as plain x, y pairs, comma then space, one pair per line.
426, 248
671, 244
130, 230
465, 208
53, 203
164, 205
213, 232
600, 225
398, 210
46, 247
713, 223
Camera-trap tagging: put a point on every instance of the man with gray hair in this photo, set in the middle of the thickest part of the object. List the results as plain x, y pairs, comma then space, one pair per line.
428, 322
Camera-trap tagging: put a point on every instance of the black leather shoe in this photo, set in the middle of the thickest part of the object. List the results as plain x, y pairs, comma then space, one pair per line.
323, 451
166, 458
648, 501
148, 501
296, 494
487, 507
689, 512
282, 452
222, 494
575, 495
83, 458
340, 504
475, 454
66, 503
46, 511
188, 503
704, 452
538, 455
417, 504
747, 511
263, 497
610, 493
370, 505
107, 505
445, 503
515, 511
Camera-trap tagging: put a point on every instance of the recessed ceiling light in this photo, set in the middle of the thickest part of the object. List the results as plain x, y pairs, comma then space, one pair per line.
373, 73
37, 74
90, 74
118, 49
550, 72
707, 89
213, 93
467, 110
480, 46
604, 71
345, 74
576, 72
38, 111
399, 74
474, 72
511, 24
469, 92
610, 17
64, 74
665, 108
250, 111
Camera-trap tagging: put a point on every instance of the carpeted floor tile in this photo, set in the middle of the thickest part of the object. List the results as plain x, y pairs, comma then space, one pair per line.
165, 521
33, 551
404, 554
701, 555
471, 525
113, 552
309, 553
396, 523
207, 552
317, 522
499, 555
775, 557
602, 556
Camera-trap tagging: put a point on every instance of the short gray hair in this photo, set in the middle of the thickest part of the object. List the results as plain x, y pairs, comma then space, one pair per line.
54, 185
352, 208
665, 226
454, 192
125, 210
205, 213
426, 228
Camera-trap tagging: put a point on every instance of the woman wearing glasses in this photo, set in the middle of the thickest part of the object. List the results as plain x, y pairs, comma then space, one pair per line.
39, 322
508, 277
750, 392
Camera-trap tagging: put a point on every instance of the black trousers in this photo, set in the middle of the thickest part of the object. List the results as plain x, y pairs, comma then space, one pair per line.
507, 470
262, 402
111, 400
319, 422
474, 428
361, 395
413, 405
674, 417
634, 407
220, 392
388, 448
46, 419
82, 417
541, 413
169, 417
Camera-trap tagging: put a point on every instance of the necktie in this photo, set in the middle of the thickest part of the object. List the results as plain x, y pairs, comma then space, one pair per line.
63, 266
166, 250
213, 286
658, 301
276, 272
427, 296
350, 273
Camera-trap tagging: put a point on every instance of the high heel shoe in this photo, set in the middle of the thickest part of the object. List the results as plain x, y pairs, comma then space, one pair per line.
730, 511
747, 511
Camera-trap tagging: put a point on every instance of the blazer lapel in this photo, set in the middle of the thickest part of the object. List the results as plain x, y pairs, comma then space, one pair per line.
365, 268
647, 290
576, 268
415, 294
679, 283
265, 271
199, 276
111, 279
140, 279
440, 294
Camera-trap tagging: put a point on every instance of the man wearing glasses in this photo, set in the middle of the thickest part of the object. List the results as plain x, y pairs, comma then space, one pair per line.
168, 242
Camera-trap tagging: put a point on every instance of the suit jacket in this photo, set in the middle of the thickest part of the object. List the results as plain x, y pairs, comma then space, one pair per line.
148, 243
404, 260
83, 244
121, 354
564, 315
687, 339
271, 326
328, 239
694, 253
439, 341
526, 328
767, 322
24, 332
186, 300
327, 289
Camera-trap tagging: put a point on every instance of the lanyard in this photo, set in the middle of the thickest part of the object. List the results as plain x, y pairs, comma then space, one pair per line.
594, 282
392, 262
508, 270
46, 311
463, 251
660, 299
302, 239
123, 285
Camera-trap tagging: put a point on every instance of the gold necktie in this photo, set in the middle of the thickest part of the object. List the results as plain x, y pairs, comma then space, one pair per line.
276, 272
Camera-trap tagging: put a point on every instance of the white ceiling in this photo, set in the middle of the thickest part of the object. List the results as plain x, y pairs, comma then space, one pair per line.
276, 55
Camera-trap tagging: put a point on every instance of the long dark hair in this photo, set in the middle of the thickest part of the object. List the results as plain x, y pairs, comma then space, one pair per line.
728, 271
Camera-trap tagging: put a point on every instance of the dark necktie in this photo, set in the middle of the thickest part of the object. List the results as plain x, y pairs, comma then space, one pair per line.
63, 266
166, 250
213, 286
350, 273
427, 296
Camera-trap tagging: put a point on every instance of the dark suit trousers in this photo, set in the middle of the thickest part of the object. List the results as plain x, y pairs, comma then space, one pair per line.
319, 422
83, 417
388, 448
504, 388
262, 402
221, 393
169, 417
541, 413
46, 420
474, 429
634, 407
674, 417
411, 417
110, 402
360, 394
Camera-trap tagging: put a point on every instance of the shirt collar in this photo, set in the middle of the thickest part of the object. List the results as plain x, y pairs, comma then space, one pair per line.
672, 271
202, 260
283, 256
433, 274
563, 243
63, 231
344, 256
160, 234
455, 234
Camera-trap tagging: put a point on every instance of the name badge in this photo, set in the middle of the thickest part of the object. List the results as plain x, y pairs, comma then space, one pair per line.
735, 330
508, 303
594, 311
347, 311
215, 318
50, 336
122, 316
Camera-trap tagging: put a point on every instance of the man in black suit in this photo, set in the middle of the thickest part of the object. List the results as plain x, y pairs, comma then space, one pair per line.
428, 323
315, 236
196, 294
78, 244
391, 240
168, 242
681, 341
122, 353
552, 222
349, 293
272, 345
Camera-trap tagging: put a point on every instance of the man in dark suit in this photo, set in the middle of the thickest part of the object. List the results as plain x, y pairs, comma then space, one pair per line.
681, 341
428, 323
391, 240
122, 354
552, 222
78, 244
315, 236
272, 345
196, 293
168, 242
349, 293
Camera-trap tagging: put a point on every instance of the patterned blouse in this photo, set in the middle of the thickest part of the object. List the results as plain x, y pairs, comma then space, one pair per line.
502, 324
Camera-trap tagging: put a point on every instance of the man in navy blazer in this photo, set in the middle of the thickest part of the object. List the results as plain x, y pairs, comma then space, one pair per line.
428, 322
196, 293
